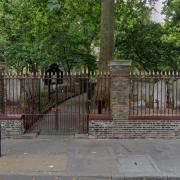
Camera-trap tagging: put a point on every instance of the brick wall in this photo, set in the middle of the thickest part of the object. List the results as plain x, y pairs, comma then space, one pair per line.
135, 129
120, 126
12, 127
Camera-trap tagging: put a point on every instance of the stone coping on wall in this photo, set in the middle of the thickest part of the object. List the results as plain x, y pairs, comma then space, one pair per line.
154, 117
12, 117
100, 117
106, 117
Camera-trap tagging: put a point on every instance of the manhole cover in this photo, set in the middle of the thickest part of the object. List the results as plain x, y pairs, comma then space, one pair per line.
137, 163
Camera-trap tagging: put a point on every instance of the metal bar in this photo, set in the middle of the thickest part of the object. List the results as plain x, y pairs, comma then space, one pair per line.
0, 141
86, 103
141, 91
157, 93
145, 93
137, 95
176, 95
150, 100
56, 120
161, 93
132, 100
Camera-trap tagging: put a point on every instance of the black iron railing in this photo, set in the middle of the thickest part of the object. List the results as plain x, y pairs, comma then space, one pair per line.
154, 93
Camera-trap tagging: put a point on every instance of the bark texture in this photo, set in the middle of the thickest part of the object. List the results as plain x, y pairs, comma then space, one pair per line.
107, 34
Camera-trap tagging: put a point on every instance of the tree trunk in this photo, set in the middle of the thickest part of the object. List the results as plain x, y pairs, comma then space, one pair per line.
107, 34
101, 100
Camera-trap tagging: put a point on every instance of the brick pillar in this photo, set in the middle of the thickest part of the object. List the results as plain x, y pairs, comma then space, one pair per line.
120, 90
2, 95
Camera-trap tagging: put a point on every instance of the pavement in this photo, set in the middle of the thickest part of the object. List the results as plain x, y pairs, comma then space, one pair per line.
77, 158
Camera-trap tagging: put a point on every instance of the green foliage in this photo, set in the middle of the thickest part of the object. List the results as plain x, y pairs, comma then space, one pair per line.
67, 32
149, 45
171, 36
172, 31
48, 31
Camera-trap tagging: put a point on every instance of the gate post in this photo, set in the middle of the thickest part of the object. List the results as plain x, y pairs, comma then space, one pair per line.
119, 96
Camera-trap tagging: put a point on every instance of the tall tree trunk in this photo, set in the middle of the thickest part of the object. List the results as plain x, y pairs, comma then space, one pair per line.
107, 34
101, 99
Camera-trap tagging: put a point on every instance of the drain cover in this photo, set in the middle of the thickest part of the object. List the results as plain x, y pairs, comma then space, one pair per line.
137, 163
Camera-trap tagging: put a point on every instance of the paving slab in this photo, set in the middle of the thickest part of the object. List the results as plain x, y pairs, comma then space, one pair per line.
70, 157
137, 164
33, 163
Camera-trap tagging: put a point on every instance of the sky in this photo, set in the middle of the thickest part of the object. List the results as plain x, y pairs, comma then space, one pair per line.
156, 15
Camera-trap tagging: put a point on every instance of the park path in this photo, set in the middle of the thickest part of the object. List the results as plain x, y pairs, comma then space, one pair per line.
67, 118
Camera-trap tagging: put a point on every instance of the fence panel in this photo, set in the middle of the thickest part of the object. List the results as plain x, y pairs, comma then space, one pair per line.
154, 94
73, 96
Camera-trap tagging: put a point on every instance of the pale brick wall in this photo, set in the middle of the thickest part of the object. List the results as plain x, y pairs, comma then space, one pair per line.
135, 129
120, 126
101, 129
11, 128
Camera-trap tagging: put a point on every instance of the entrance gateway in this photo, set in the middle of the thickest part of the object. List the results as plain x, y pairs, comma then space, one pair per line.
54, 103
66, 113
58, 108
68, 118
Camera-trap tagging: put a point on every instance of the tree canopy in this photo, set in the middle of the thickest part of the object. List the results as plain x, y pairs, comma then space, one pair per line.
48, 31
68, 32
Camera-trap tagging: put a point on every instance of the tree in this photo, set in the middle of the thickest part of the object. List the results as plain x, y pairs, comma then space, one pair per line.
171, 37
101, 97
68, 32
106, 34
49, 31
143, 41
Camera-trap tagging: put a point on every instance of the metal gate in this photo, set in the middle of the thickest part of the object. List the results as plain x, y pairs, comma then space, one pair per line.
49, 104
68, 118
53, 104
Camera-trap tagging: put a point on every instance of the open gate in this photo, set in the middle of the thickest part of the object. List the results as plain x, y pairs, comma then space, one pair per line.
57, 122
54, 103
50, 104
68, 118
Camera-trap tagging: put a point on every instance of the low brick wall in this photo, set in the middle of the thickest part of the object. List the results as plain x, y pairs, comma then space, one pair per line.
101, 129
142, 128
11, 126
